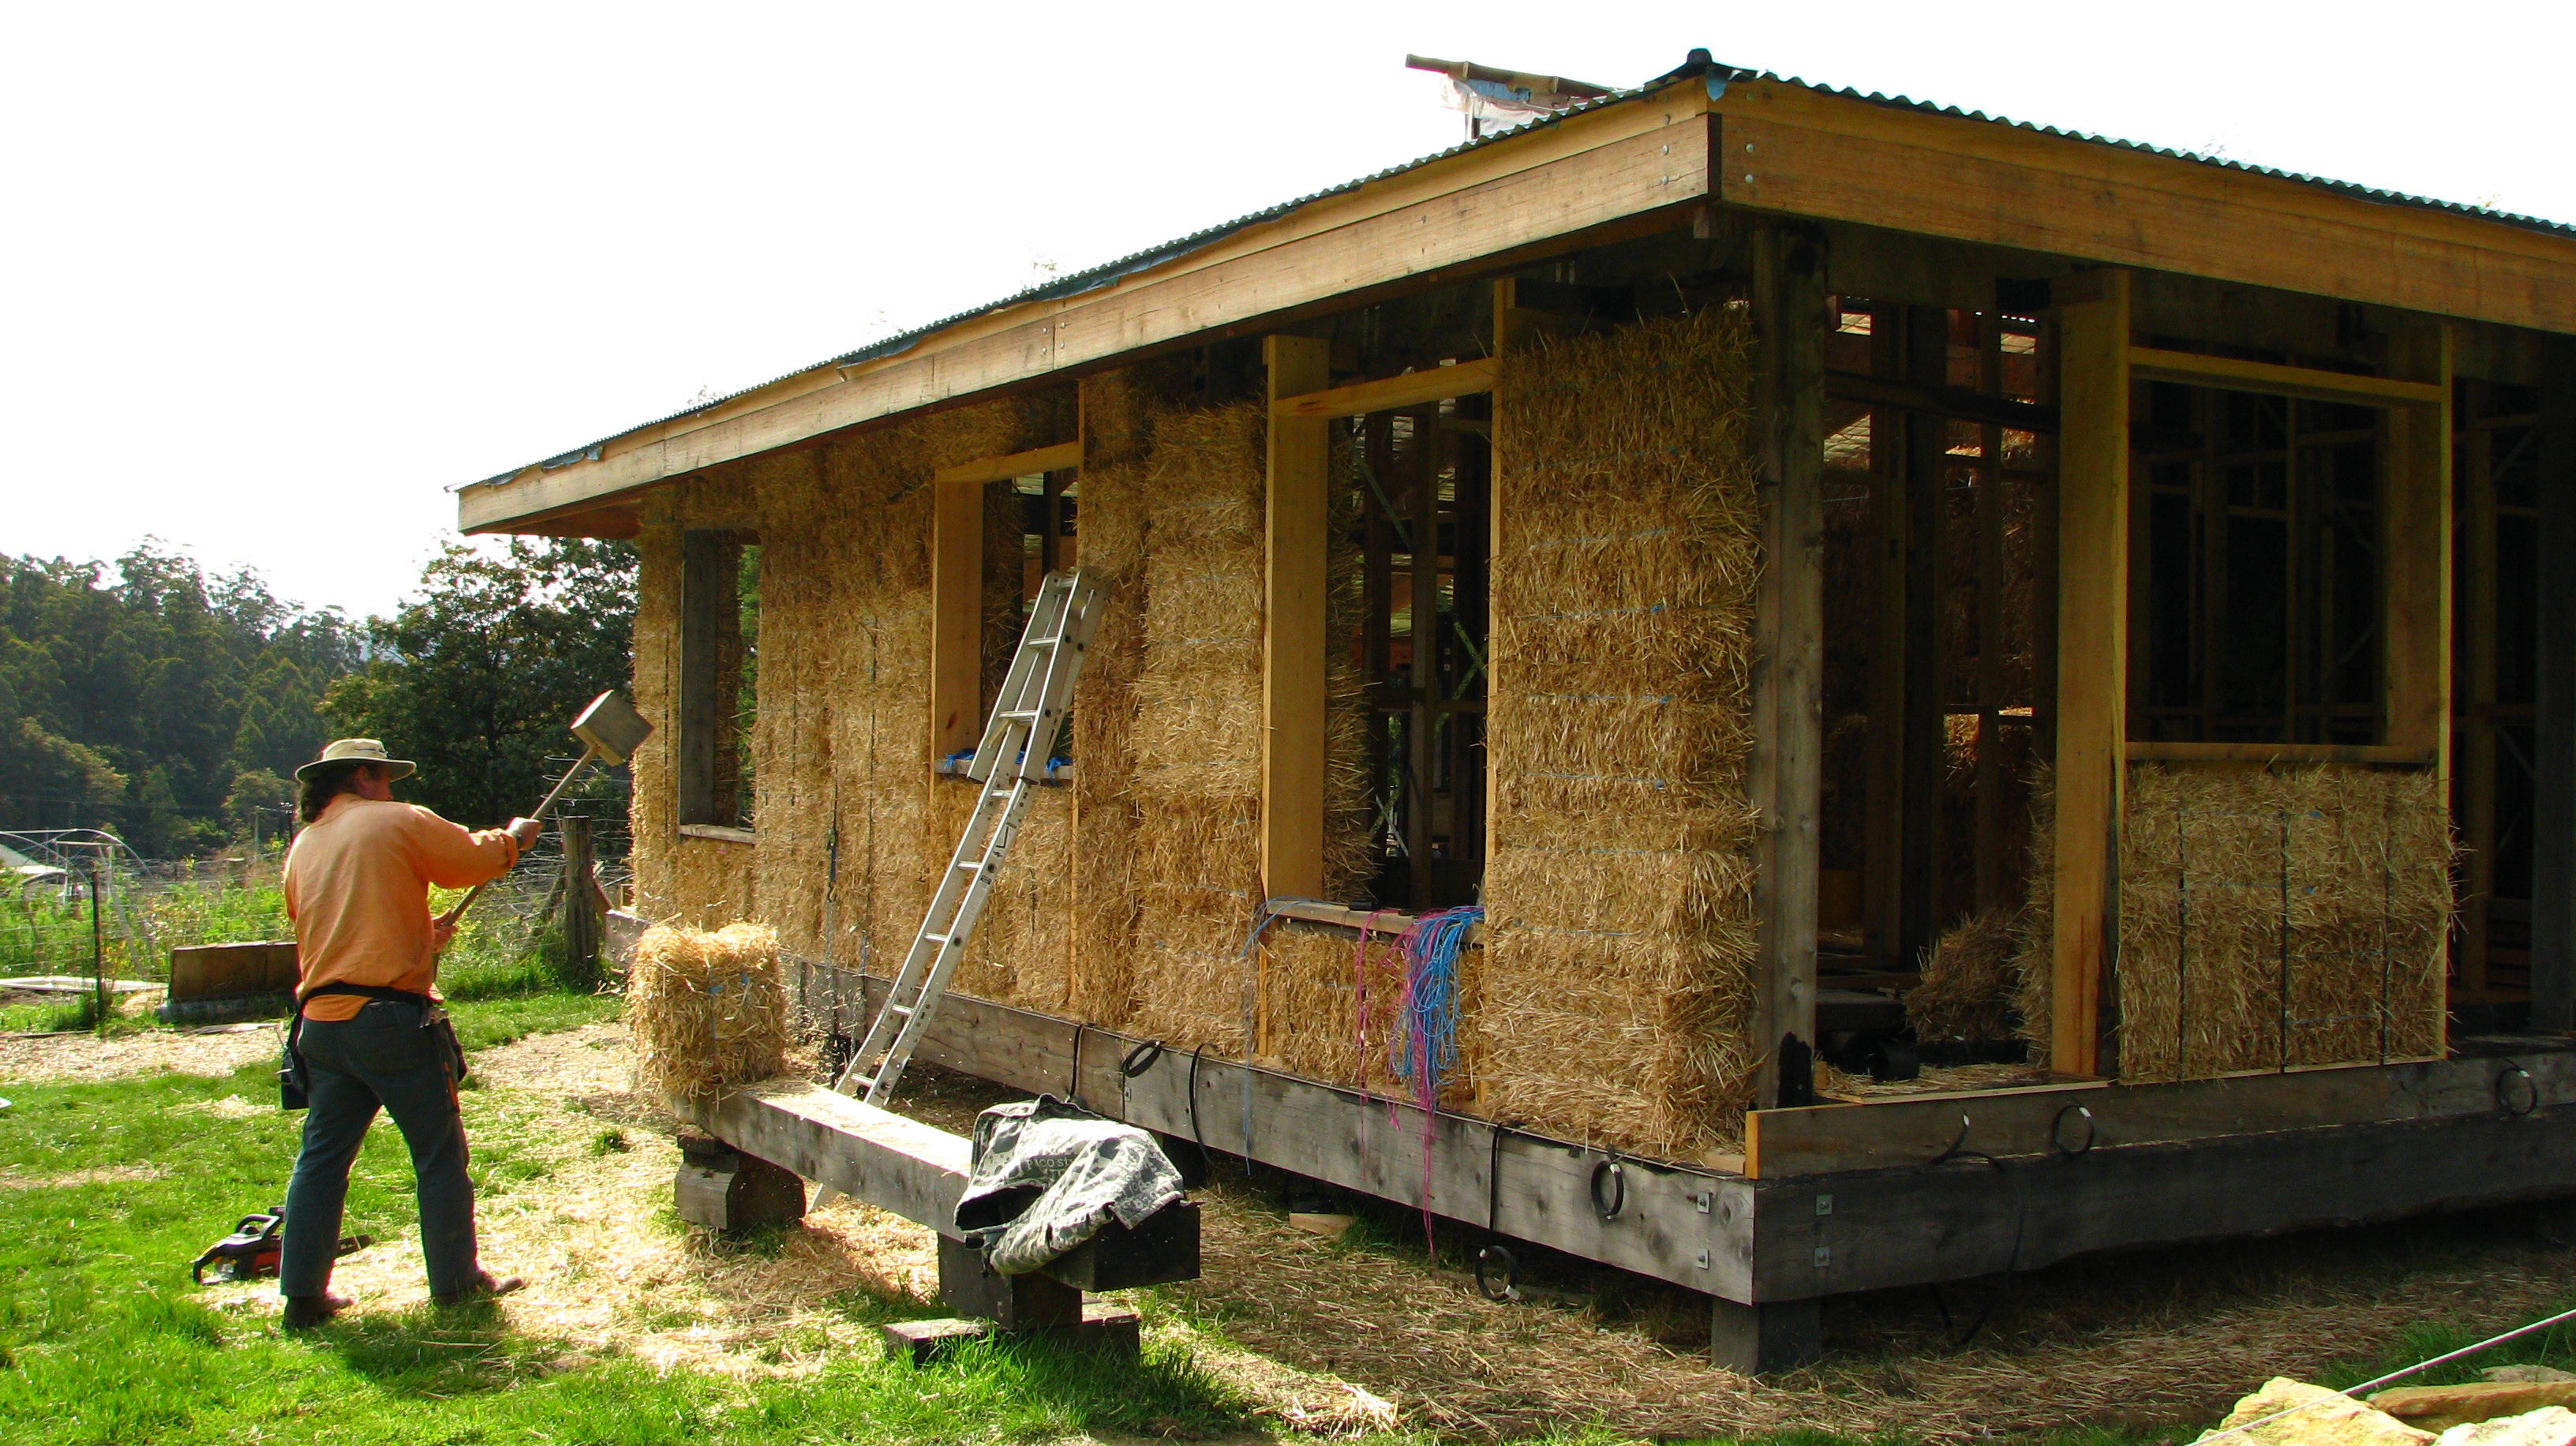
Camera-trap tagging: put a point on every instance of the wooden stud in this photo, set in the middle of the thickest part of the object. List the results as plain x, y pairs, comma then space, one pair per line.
2234, 374
2092, 657
956, 618
1786, 769
1507, 318
1297, 454
2553, 884
2415, 548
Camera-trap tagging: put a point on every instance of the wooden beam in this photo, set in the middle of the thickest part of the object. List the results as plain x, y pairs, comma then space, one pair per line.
1918, 1129
1412, 389
2149, 364
1297, 454
1803, 152
894, 1163
956, 619
2279, 753
1822, 1234
1601, 168
1682, 1224
2092, 658
1941, 401
1786, 769
1018, 464
2415, 549
2553, 838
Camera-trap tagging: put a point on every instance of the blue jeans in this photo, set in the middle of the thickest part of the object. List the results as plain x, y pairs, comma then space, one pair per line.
382, 1058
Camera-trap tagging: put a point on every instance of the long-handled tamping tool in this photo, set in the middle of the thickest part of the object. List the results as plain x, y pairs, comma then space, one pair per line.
609, 728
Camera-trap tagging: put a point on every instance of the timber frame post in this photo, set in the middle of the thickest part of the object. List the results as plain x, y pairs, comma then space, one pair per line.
1786, 769
2553, 841
2092, 659
1296, 453
2415, 538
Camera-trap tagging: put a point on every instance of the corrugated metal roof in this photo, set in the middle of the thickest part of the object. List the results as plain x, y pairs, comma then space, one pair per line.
1719, 77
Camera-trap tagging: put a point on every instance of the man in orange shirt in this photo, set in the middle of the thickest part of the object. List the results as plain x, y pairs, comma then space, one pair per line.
367, 1035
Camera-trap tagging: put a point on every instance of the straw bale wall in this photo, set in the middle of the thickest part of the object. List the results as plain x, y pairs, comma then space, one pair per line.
1616, 987
841, 745
2272, 918
700, 883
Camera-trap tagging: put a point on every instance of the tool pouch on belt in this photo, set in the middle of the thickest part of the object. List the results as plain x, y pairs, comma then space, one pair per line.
294, 1082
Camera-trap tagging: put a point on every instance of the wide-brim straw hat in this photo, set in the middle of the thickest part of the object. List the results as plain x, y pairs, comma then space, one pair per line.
356, 750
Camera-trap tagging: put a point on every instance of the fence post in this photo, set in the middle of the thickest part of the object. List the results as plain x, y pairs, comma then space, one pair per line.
581, 921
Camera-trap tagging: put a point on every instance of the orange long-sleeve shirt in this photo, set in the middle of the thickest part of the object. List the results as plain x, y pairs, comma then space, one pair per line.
357, 887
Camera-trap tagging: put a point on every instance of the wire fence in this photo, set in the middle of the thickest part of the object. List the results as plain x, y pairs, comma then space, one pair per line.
80, 903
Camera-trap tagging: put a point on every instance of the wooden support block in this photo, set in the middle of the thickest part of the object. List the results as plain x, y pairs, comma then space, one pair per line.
725, 1189
971, 1287
1164, 1247
1293, 642
1766, 1339
2092, 657
1109, 1330
956, 618
1788, 638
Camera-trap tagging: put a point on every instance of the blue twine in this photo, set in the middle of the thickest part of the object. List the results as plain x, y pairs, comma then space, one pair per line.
1427, 1051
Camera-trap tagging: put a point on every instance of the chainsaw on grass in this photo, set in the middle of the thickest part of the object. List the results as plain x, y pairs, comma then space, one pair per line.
252, 1250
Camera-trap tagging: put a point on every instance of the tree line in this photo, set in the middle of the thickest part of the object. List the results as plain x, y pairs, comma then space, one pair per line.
171, 705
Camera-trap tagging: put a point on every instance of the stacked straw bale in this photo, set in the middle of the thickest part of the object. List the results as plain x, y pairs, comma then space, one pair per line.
2269, 918
1117, 434
1196, 735
1617, 989
708, 1011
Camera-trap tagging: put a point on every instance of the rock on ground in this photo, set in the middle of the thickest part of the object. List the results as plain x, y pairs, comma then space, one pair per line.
2321, 1418
2548, 1426
2439, 1408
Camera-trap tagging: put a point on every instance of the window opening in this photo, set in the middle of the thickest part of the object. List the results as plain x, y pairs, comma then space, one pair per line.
1421, 479
2261, 589
719, 677
2495, 684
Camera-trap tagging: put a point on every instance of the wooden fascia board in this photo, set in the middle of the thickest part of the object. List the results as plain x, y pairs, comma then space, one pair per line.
1585, 171
1838, 158
1017, 464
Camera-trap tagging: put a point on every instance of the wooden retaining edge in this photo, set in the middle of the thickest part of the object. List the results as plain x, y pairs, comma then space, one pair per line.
2053, 1119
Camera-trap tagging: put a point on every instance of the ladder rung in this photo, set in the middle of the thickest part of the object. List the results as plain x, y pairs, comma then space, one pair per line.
969, 867
936, 938
904, 1010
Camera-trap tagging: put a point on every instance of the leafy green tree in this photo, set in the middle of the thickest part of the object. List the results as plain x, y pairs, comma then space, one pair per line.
475, 676
133, 694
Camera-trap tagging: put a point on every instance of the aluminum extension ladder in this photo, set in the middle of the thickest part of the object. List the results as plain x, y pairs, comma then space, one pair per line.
1009, 762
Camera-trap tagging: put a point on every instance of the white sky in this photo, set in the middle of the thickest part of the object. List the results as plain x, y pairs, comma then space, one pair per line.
273, 270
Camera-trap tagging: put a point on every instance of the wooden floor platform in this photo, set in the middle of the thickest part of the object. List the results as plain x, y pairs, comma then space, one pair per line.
1848, 1197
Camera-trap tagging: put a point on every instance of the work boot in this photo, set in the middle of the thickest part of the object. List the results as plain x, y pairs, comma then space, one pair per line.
484, 1287
304, 1312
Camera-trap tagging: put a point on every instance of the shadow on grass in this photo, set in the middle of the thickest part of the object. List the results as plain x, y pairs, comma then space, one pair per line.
435, 1352
1165, 1392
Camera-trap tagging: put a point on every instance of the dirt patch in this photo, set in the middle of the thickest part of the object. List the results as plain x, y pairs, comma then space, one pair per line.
53, 1058
108, 1175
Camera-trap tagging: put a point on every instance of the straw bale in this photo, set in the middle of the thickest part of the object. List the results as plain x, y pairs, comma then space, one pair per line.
2035, 926
1617, 980
1968, 981
708, 1012
2279, 917
1116, 429
2334, 878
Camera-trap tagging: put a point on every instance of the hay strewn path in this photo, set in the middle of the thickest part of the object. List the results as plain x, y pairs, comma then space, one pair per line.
83, 1056
2153, 1339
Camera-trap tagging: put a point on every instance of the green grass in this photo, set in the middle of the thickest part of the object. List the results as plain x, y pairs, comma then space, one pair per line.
102, 1338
